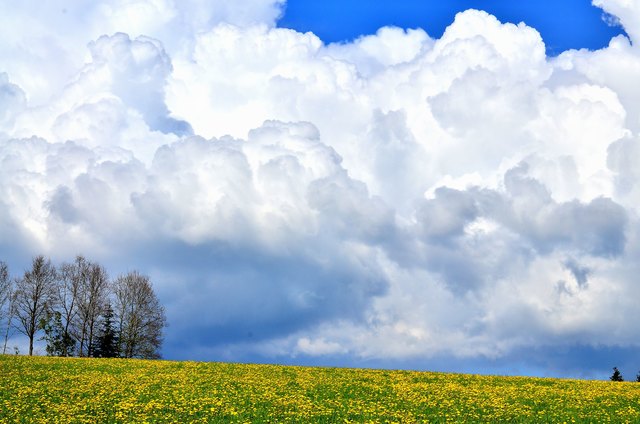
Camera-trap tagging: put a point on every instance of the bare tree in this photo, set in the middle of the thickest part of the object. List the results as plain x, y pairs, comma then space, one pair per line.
6, 302
5, 289
93, 297
8, 327
34, 294
140, 317
72, 281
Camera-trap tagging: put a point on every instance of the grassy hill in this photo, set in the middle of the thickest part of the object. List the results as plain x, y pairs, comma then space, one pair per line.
57, 390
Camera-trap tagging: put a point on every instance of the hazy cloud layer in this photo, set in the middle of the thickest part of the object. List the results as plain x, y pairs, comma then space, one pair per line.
392, 199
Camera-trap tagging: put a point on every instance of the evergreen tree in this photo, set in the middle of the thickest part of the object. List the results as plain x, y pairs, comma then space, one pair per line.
107, 340
617, 376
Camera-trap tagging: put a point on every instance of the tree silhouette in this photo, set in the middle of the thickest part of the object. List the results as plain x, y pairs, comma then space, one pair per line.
616, 376
107, 340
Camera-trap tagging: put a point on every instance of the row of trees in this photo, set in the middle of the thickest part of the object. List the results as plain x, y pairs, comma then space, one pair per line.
80, 311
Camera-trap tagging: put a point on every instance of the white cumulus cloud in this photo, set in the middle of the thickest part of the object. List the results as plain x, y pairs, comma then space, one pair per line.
394, 197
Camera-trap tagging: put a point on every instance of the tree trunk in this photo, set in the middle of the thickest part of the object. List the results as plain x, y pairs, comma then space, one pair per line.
6, 334
32, 334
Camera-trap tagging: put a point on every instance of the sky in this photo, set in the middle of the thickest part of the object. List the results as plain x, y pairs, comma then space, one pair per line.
563, 25
398, 186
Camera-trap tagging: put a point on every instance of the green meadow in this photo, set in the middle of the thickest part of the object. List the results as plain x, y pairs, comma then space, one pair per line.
72, 390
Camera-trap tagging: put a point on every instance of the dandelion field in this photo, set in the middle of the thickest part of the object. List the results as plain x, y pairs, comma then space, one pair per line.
57, 390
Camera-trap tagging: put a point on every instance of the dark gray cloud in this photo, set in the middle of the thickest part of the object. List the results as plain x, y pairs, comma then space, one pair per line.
217, 294
580, 273
527, 208
446, 216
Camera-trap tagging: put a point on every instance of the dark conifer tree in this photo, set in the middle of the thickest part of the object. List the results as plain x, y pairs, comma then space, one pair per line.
616, 376
107, 340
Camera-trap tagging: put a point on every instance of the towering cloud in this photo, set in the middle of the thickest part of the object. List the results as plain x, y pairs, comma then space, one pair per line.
391, 198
